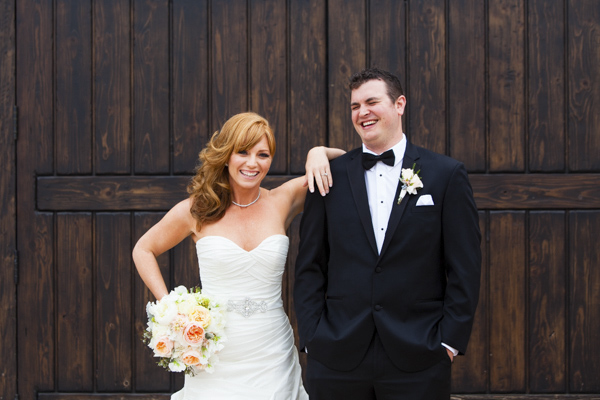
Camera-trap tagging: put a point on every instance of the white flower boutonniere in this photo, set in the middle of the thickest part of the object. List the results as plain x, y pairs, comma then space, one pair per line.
411, 182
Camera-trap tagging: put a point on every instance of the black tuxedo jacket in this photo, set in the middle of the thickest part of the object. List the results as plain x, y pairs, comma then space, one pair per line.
421, 290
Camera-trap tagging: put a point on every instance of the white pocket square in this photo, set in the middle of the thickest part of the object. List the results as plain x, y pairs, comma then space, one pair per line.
425, 200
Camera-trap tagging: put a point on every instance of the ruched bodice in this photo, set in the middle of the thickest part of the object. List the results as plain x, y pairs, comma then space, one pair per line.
259, 361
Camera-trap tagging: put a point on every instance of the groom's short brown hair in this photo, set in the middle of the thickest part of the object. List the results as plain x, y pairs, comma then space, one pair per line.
394, 87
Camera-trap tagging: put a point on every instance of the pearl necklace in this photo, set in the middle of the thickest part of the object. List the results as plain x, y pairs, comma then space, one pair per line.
249, 204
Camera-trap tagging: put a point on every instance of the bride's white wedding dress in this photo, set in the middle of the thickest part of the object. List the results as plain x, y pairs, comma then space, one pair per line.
259, 360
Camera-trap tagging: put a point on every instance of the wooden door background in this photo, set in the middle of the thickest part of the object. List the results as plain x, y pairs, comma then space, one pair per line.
105, 104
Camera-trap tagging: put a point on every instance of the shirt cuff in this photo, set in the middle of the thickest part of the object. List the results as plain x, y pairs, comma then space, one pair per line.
452, 349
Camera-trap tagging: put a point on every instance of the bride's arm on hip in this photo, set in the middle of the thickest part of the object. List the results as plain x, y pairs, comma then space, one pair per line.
175, 226
317, 173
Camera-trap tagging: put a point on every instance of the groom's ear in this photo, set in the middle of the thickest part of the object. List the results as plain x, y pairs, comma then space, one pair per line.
400, 105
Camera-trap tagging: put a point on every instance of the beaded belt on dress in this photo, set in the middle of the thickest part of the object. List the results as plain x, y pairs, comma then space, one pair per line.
247, 307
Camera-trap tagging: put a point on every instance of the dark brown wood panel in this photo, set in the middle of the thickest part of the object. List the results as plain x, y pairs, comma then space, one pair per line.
151, 86
508, 302
506, 87
190, 82
229, 60
148, 376
307, 80
347, 46
426, 94
8, 217
268, 71
466, 83
584, 92
470, 373
156, 396
113, 316
547, 296
112, 87
546, 81
584, 301
492, 192
74, 304
73, 114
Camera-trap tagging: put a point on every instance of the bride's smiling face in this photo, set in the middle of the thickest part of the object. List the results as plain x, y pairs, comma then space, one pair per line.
248, 168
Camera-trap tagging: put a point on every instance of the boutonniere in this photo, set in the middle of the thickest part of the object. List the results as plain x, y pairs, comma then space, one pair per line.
411, 182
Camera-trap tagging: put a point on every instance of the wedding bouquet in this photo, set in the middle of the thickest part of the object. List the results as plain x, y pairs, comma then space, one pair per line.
186, 330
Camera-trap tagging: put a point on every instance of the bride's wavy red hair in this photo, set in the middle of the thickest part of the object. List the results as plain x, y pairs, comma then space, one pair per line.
209, 189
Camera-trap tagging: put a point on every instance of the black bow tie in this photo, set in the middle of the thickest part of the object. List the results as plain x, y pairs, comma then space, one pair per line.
369, 160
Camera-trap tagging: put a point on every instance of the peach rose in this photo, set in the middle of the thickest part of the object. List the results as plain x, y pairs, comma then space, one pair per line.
163, 347
193, 334
191, 357
200, 314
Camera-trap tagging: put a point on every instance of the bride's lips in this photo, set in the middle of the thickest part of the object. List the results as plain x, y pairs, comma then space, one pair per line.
249, 174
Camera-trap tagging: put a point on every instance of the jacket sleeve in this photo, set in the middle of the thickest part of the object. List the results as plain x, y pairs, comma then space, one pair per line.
311, 267
462, 259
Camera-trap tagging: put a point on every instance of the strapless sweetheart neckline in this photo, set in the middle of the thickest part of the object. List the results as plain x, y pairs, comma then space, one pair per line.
237, 245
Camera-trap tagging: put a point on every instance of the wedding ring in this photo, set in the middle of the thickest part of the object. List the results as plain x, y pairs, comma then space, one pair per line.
324, 174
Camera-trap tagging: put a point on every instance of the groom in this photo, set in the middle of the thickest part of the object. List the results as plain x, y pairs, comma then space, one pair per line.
387, 281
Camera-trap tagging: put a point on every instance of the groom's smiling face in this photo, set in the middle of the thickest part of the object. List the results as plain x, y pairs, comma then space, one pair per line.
376, 118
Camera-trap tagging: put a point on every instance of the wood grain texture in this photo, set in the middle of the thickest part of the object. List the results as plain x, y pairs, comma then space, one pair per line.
8, 217
347, 46
584, 301
112, 302
583, 64
151, 144
492, 192
426, 94
229, 61
159, 396
506, 86
112, 87
508, 302
268, 71
190, 82
149, 377
467, 83
547, 297
74, 304
307, 80
546, 85
470, 373
73, 113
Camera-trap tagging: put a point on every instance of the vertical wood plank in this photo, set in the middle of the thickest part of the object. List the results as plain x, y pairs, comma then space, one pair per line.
112, 87
470, 374
190, 82
35, 231
584, 91
507, 302
293, 233
229, 60
113, 285
426, 94
151, 86
506, 66
74, 305
268, 71
387, 41
546, 71
584, 299
547, 295
347, 45
149, 377
307, 80
73, 111
467, 83
185, 264
8, 221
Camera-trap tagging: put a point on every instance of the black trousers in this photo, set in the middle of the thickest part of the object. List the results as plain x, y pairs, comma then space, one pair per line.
376, 378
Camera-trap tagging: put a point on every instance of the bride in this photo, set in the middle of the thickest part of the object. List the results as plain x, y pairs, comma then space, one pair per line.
239, 230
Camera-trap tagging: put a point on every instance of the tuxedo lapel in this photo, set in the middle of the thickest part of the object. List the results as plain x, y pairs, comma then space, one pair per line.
411, 157
356, 177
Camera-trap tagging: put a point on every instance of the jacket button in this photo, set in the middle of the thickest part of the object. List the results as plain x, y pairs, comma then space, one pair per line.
378, 269
378, 307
